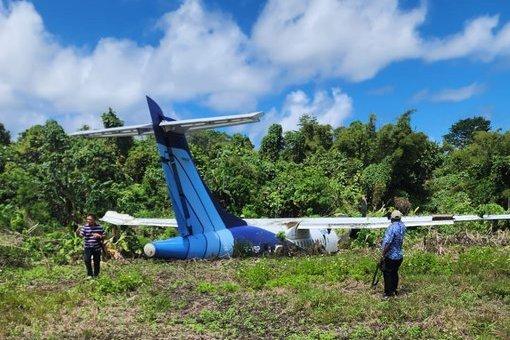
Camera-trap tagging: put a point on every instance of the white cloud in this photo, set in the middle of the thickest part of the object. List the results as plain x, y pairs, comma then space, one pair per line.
204, 57
477, 40
329, 107
355, 39
351, 39
450, 94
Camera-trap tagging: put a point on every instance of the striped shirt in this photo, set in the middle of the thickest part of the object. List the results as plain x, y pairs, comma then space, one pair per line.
90, 241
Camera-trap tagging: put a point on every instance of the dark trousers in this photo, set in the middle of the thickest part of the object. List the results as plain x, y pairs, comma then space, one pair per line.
92, 254
390, 272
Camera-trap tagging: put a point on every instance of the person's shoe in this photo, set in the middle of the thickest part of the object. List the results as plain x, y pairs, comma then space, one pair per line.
385, 297
89, 277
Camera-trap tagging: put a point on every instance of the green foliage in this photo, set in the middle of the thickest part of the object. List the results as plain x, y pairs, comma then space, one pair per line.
110, 120
476, 174
308, 297
295, 146
281, 236
358, 140
49, 181
461, 133
154, 306
375, 179
5, 135
272, 143
366, 237
13, 256
478, 259
122, 282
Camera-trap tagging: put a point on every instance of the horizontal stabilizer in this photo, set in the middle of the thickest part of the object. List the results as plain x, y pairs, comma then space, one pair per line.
185, 125
114, 217
122, 131
179, 126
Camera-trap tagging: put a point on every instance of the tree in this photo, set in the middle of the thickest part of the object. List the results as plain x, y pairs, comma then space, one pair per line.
316, 135
479, 173
295, 146
461, 133
358, 140
272, 143
111, 120
5, 135
375, 179
142, 155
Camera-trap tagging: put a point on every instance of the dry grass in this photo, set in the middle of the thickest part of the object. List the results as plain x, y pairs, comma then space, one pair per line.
320, 297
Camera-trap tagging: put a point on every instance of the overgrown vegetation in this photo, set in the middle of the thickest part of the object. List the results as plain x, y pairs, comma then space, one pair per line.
462, 292
48, 180
455, 279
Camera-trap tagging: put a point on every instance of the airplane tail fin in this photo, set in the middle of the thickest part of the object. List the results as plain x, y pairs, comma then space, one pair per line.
196, 210
157, 115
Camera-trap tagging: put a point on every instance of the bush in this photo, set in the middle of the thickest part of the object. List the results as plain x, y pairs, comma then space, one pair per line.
422, 262
123, 282
13, 256
479, 259
365, 238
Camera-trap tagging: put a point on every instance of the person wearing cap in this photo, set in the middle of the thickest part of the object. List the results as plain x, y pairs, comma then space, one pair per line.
392, 254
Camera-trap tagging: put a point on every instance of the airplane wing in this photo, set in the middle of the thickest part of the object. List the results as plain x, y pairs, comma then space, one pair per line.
383, 222
281, 224
179, 126
114, 217
122, 131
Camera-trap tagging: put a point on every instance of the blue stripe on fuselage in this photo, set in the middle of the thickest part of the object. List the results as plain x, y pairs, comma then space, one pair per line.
204, 246
256, 237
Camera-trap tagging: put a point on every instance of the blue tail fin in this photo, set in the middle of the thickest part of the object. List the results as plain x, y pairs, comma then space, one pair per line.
195, 209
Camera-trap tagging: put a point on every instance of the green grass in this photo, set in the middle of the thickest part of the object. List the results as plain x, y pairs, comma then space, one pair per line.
465, 292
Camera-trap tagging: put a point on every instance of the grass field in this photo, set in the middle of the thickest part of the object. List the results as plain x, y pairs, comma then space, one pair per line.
464, 292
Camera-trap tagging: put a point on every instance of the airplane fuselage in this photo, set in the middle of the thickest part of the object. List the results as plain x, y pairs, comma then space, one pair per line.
244, 238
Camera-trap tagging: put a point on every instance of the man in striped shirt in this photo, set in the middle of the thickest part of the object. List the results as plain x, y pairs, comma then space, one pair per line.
93, 235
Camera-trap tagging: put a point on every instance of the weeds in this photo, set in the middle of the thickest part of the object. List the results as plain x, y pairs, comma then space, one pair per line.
463, 293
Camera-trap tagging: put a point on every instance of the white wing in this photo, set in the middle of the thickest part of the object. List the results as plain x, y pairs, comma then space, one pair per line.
186, 125
382, 222
281, 224
122, 131
180, 126
114, 217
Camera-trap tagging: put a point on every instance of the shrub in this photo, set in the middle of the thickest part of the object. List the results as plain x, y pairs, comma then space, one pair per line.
255, 277
124, 282
422, 262
13, 256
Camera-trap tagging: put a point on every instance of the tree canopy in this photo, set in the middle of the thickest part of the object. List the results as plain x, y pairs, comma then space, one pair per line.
462, 132
51, 179
5, 135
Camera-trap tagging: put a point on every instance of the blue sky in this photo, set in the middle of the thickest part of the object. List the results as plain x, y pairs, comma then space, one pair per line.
70, 60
